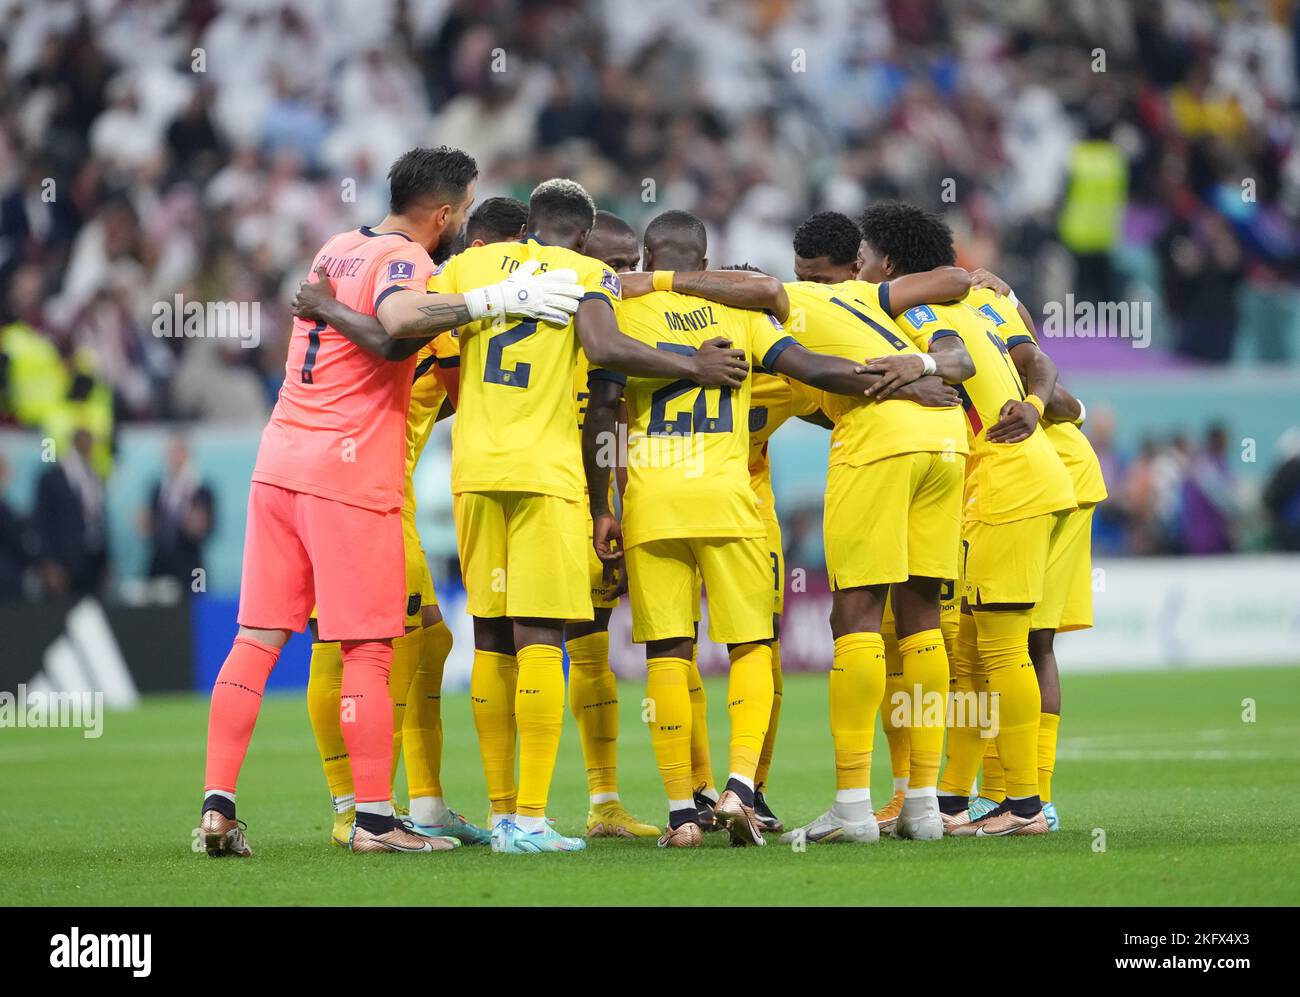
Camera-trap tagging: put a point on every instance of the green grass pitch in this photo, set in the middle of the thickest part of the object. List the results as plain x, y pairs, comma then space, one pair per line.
1196, 806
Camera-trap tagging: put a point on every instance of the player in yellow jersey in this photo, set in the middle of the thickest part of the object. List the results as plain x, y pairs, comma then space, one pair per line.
518, 487
1017, 497
1067, 589
773, 401
827, 248
892, 515
689, 508
593, 688
420, 655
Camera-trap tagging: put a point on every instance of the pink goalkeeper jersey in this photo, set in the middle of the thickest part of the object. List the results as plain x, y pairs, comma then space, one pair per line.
339, 426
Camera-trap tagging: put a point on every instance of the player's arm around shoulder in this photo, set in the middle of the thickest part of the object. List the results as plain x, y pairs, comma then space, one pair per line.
600, 456
1037, 369
714, 363
736, 288
446, 365
315, 301
527, 293
910, 290
839, 376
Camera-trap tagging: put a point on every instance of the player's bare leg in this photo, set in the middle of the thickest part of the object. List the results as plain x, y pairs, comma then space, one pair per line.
236, 699
593, 697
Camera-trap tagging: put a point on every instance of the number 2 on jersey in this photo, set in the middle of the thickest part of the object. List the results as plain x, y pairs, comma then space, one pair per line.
495, 372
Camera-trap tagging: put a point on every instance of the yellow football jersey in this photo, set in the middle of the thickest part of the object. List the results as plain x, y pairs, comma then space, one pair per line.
427, 397
845, 321
582, 392
688, 447
1066, 438
514, 426
773, 400
1004, 481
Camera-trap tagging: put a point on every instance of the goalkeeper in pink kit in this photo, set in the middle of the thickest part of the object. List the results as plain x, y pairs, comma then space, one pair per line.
324, 507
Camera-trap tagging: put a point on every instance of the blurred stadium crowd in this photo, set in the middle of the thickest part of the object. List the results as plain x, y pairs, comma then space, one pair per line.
148, 148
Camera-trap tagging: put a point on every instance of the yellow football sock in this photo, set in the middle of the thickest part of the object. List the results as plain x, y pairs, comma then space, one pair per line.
900, 743
539, 712
422, 729
1049, 725
324, 690
950, 627
965, 745
749, 702
993, 782
701, 763
857, 686
666, 687
925, 672
406, 658
593, 697
1010, 679
769, 740
492, 700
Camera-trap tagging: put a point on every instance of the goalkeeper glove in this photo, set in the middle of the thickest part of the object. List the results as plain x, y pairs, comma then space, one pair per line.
551, 296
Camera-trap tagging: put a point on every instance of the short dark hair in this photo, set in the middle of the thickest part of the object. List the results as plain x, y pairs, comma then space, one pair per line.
677, 231
607, 221
915, 239
830, 234
497, 219
562, 204
441, 172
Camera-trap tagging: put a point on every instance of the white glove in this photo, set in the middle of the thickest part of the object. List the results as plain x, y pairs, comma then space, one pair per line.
551, 296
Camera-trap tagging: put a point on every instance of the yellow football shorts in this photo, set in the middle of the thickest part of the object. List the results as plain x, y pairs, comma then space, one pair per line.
893, 518
419, 580
1067, 587
776, 555
596, 574
1007, 562
663, 582
523, 555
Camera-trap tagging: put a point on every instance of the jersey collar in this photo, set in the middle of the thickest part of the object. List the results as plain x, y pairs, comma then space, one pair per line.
370, 233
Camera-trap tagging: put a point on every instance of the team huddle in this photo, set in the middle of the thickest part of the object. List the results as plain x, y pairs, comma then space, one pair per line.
612, 401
